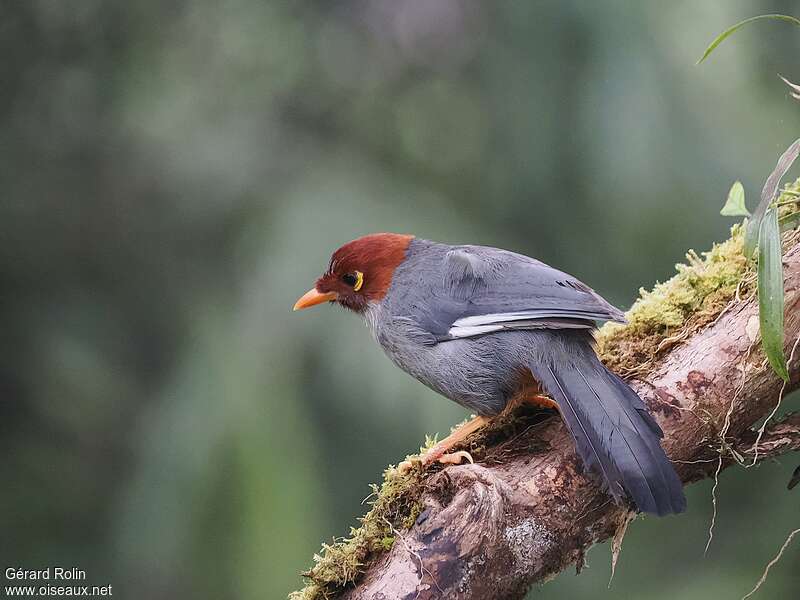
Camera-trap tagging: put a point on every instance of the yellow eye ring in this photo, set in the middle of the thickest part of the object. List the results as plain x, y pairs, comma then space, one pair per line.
359, 281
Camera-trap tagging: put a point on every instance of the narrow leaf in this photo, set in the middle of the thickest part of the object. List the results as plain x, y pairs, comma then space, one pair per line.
794, 89
731, 30
770, 292
768, 195
735, 206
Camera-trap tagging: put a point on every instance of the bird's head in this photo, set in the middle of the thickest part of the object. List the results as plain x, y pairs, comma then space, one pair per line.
360, 272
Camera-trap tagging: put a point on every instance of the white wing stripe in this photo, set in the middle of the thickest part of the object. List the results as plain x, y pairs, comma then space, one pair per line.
480, 324
494, 318
462, 332
499, 318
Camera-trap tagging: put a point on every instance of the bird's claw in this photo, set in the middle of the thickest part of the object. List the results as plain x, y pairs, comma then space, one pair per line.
455, 458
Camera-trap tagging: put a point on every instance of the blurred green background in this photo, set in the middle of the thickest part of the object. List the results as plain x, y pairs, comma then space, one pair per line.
173, 175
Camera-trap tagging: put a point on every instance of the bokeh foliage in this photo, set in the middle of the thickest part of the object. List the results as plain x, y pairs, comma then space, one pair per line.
174, 175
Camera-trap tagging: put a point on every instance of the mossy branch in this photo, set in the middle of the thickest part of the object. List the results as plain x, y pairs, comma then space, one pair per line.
526, 510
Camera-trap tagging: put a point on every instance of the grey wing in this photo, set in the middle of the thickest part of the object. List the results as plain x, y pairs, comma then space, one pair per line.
486, 290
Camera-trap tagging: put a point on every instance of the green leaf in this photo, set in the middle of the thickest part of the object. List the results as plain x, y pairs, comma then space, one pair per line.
770, 292
735, 206
731, 30
767, 196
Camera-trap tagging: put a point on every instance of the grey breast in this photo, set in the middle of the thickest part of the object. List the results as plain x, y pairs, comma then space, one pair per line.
476, 373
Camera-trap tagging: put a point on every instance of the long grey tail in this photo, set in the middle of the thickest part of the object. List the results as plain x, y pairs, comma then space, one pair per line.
614, 433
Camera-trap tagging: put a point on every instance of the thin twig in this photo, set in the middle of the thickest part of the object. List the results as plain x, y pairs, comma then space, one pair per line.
723, 445
774, 410
771, 564
616, 542
695, 462
714, 504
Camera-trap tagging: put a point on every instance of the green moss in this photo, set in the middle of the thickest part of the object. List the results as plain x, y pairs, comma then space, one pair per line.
395, 508
693, 298
672, 310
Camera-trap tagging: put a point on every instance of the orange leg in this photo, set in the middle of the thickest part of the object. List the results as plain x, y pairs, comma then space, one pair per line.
541, 401
438, 453
529, 392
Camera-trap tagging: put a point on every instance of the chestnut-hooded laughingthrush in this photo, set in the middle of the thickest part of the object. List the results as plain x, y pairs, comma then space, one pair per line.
490, 328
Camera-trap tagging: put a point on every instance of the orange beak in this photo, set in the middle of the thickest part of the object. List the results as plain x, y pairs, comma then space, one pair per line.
312, 297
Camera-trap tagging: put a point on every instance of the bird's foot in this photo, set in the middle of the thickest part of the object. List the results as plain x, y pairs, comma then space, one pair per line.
454, 458
542, 402
439, 453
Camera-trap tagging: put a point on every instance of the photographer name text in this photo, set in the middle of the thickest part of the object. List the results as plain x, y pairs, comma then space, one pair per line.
50, 573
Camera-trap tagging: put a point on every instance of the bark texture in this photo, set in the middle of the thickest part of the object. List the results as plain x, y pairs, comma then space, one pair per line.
491, 530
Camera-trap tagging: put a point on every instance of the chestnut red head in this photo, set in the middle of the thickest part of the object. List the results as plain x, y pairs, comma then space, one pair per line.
359, 272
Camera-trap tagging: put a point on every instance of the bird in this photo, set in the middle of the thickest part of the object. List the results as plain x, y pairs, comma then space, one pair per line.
491, 329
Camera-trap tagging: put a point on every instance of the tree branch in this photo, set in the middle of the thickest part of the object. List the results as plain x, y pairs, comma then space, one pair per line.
779, 438
490, 531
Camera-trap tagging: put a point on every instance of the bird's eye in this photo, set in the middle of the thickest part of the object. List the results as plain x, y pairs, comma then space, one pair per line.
355, 280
